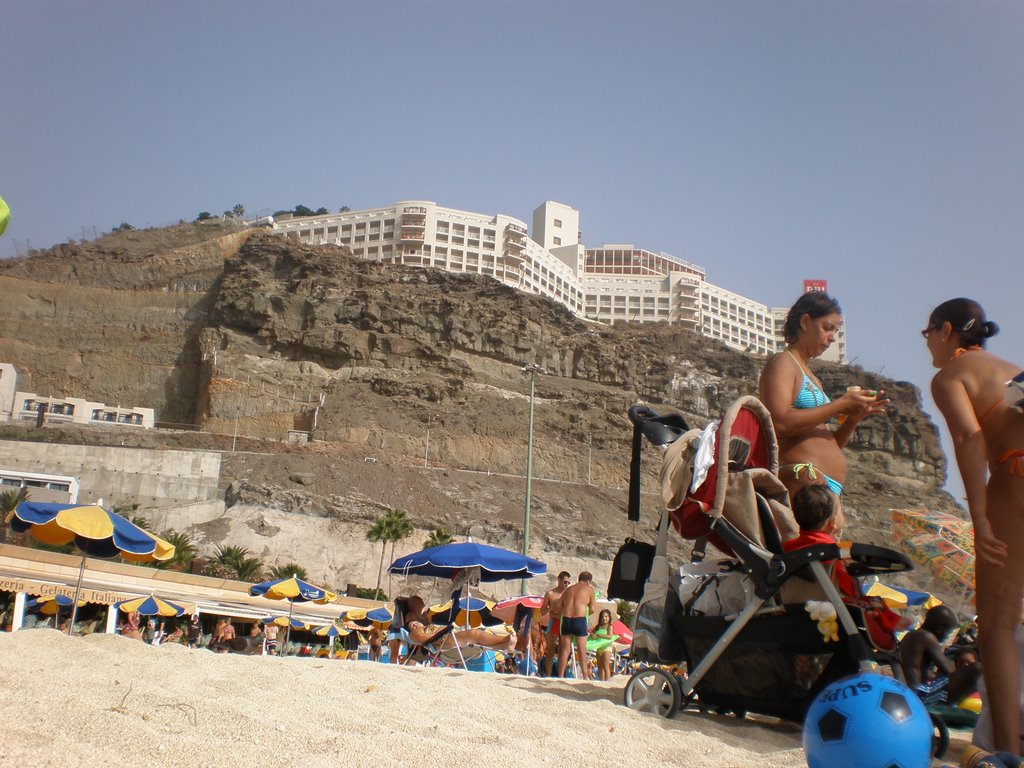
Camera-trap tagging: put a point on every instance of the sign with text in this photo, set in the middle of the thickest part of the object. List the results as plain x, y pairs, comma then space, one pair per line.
815, 285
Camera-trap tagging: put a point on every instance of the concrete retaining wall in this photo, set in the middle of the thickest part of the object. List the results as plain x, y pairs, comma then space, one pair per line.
149, 478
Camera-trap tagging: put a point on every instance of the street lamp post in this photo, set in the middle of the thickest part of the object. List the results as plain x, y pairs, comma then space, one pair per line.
234, 437
533, 370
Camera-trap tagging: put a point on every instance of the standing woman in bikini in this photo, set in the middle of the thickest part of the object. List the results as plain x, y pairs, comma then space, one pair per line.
975, 393
810, 451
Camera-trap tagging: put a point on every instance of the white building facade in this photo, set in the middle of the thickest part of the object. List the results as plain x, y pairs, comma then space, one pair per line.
610, 283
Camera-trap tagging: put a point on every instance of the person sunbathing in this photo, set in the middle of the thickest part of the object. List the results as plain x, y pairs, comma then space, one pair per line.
421, 631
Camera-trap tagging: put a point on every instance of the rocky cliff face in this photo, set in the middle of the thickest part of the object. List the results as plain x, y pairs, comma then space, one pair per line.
413, 368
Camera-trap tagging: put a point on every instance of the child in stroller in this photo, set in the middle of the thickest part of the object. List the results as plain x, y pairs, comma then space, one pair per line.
761, 652
815, 512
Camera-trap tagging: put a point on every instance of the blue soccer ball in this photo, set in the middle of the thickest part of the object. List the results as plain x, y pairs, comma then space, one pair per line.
867, 721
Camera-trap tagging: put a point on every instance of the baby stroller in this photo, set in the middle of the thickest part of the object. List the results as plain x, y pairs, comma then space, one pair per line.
735, 630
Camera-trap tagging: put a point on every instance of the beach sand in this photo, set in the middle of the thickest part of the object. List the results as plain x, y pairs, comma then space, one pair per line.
105, 700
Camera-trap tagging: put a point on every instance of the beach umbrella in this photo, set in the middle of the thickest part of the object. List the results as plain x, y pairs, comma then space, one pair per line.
897, 597
471, 612
468, 558
52, 604
150, 606
938, 542
331, 631
294, 590
377, 617
284, 621
625, 633
506, 609
94, 530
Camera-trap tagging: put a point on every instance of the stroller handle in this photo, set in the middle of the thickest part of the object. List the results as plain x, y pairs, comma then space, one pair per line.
868, 559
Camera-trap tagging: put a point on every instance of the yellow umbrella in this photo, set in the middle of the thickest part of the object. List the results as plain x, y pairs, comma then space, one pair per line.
94, 530
54, 604
899, 598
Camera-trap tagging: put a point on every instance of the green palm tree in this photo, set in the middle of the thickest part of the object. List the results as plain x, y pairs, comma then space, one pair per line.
9, 501
286, 571
236, 560
184, 550
400, 528
438, 537
379, 533
250, 569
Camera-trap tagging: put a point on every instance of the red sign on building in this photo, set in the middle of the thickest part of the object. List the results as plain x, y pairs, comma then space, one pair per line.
815, 285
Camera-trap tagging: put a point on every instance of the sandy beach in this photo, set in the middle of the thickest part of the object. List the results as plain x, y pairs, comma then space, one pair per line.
104, 700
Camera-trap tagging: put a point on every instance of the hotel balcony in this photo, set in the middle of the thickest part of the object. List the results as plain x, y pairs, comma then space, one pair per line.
414, 209
515, 229
413, 236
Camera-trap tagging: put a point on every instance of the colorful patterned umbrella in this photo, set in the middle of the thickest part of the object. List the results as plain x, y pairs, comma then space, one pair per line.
94, 530
150, 606
941, 543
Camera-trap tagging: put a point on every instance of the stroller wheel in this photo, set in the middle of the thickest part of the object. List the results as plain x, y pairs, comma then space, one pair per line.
653, 690
940, 736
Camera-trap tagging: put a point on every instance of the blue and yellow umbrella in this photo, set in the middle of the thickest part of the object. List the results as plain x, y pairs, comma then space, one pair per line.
284, 621
472, 612
294, 590
53, 604
94, 530
377, 617
150, 606
331, 630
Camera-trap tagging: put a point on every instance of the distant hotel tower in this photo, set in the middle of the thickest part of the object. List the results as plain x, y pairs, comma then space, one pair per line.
607, 284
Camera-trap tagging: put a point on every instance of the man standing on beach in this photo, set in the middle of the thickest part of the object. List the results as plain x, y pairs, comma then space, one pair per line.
551, 606
578, 602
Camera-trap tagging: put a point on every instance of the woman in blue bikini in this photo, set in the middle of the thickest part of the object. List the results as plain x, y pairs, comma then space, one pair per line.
810, 450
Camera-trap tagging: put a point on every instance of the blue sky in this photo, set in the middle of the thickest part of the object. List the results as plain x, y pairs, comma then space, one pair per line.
877, 145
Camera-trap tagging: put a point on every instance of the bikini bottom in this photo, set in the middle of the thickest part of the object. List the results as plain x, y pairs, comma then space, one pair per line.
813, 473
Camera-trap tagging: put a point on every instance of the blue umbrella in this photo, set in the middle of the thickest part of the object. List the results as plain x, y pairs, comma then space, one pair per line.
449, 560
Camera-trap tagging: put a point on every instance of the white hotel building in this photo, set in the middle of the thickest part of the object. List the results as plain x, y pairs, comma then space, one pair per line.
606, 284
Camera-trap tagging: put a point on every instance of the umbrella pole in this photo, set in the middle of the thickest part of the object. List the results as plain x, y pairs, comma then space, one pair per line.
74, 605
288, 631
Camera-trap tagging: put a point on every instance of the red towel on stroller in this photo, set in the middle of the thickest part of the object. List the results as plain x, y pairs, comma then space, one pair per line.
880, 621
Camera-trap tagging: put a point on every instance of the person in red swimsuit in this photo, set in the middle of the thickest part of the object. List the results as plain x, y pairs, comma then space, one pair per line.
987, 430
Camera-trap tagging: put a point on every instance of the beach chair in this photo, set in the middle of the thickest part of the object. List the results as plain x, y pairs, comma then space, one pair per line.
430, 653
734, 632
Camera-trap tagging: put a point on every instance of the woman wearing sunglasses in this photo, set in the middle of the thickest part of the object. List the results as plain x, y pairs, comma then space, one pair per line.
980, 397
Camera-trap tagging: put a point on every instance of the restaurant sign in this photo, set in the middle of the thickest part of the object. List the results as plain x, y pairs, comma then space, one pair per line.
40, 589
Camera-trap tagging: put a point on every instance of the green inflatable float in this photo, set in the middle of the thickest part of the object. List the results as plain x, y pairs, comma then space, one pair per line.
5, 215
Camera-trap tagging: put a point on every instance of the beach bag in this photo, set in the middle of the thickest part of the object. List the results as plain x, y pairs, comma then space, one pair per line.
630, 569
710, 589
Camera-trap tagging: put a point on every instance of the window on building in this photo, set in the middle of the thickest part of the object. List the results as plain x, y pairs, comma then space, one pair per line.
558, 223
558, 241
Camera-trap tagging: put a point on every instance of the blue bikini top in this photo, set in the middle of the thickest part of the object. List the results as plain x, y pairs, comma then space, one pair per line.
810, 394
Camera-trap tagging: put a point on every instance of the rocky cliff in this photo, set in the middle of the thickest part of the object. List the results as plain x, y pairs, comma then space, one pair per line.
417, 370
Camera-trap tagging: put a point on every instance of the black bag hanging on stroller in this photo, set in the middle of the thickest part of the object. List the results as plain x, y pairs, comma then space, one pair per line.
630, 569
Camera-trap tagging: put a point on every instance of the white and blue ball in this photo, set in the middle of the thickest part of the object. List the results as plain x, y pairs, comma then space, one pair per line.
867, 721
